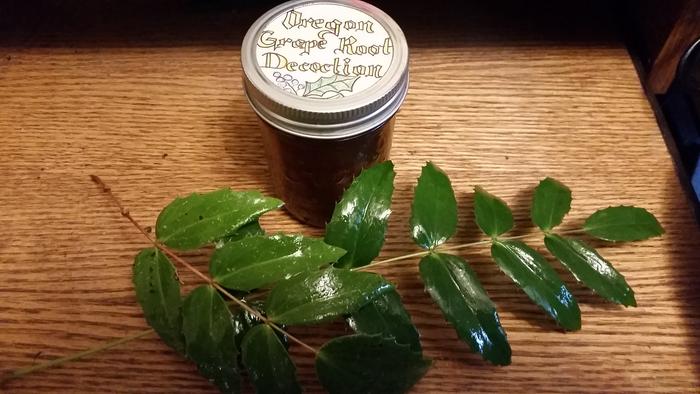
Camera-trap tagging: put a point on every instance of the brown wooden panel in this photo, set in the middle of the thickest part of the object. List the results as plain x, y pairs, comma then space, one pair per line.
663, 32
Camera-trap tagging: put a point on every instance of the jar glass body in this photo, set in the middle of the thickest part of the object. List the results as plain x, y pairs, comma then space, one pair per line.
310, 174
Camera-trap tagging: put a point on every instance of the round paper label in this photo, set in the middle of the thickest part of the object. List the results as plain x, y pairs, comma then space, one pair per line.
324, 51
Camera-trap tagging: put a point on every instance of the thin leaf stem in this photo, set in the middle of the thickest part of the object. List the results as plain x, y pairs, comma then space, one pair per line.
120, 341
391, 260
125, 212
73, 357
572, 231
449, 248
257, 314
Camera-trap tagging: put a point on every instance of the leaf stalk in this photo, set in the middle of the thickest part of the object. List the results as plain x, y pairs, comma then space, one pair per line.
452, 248
141, 334
125, 212
73, 357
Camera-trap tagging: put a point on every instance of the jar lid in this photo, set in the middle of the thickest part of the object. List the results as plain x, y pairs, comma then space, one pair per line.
325, 69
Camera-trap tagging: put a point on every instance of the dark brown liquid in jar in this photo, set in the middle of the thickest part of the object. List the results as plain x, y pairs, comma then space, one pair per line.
310, 174
326, 80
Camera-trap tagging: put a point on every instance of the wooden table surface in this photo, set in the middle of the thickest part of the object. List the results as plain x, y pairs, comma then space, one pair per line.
158, 118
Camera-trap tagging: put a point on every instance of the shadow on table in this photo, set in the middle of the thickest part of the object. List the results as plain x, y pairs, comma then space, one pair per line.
682, 239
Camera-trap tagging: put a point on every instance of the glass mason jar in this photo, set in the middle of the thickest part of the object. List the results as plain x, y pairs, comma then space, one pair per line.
326, 79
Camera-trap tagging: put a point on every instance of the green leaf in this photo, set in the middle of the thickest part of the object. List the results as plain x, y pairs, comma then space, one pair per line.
360, 218
270, 368
158, 293
198, 219
243, 321
492, 214
206, 323
226, 379
550, 203
434, 208
321, 296
368, 364
258, 261
623, 223
387, 316
591, 269
538, 280
456, 289
210, 337
247, 230
333, 84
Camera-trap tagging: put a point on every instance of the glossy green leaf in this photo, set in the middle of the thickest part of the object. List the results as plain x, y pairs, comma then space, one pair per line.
248, 230
538, 280
269, 366
454, 286
158, 293
550, 203
243, 321
434, 209
210, 337
258, 261
386, 316
206, 323
368, 364
623, 223
492, 215
225, 378
198, 219
360, 218
591, 269
321, 296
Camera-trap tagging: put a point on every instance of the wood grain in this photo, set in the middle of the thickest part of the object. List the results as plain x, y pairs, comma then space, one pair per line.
159, 120
685, 31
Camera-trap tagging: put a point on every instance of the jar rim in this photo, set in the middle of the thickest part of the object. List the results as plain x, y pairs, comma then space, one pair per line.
338, 117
